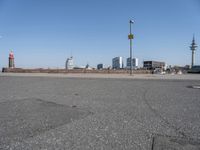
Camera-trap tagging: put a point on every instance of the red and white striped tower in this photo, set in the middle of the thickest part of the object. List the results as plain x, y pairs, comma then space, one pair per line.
11, 63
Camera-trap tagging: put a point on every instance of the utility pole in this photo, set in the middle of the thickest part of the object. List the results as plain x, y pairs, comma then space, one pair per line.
130, 37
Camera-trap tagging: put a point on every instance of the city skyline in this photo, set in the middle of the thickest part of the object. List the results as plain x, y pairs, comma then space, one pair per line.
96, 31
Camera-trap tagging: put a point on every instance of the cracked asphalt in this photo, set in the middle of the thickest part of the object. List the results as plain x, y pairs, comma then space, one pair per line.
109, 113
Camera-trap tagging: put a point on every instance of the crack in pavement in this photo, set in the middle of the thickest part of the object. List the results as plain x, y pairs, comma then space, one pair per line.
157, 114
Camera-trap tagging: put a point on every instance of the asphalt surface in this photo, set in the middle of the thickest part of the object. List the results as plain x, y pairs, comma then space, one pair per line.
91, 113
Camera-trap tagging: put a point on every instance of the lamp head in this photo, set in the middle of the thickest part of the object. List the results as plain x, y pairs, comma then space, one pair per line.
131, 21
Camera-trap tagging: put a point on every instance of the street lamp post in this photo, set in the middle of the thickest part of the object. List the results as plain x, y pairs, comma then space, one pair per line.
130, 37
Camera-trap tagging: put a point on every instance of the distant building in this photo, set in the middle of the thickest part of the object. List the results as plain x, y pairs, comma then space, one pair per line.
134, 63
194, 69
151, 65
69, 63
11, 63
87, 67
100, 66
117, 63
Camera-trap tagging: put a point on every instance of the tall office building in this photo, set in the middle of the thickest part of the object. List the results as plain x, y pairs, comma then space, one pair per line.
69, 63
117, 63
11, 63
134, 63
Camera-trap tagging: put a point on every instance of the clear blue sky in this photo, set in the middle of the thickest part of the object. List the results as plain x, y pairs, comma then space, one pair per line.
43, 33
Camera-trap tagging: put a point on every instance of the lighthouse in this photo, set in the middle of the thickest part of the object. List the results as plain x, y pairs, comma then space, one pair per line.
11, 63
193, 49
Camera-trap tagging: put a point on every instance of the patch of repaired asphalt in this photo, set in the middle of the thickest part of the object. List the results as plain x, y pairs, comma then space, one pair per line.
174, 143
26, 118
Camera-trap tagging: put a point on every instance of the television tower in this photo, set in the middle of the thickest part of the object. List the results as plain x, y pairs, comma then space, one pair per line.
193, 49
11, 63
